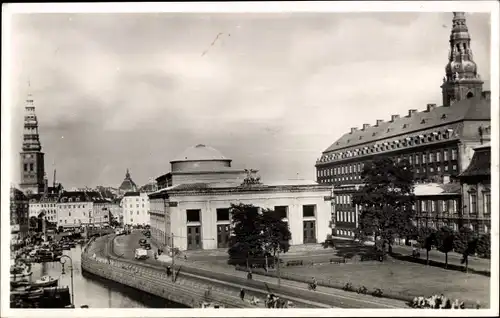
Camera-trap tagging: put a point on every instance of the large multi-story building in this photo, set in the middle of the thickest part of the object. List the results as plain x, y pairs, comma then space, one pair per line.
19, 226
32, 157
81, 208
438, 142
192, 208
45, 202
135, 208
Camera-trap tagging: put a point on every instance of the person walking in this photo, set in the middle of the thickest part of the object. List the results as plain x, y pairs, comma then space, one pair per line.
242, 294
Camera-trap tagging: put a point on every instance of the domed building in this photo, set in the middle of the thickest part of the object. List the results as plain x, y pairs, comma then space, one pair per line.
193, 202
127, 185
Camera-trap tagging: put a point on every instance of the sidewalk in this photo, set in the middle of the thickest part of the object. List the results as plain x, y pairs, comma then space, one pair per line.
475, 263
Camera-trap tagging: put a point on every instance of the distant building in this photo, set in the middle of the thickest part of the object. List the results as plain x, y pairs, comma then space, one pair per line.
191, 210
74, 209
116, 210
45, 202
101, 211
438, 142
476, 191
135, 207
149, 187
128, 185
19, 217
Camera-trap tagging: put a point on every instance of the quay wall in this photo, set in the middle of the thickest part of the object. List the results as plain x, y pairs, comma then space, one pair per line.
98, 260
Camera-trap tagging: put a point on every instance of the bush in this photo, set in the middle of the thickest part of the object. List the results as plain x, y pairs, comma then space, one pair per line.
362, 290
348, 287
377, 292
484, 246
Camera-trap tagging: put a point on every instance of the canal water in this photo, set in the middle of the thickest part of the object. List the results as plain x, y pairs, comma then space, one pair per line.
95, 291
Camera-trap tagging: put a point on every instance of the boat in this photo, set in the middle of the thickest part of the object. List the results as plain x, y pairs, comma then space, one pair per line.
45, 281
19, 283
66, 246
27, 292
15, 277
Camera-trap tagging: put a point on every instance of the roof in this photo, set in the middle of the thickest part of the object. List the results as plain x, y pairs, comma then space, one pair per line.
480, 163
201, 187
132, 194
200, 153
128, 184
430, 189
17, 195
75, 196
476, 108
291, 182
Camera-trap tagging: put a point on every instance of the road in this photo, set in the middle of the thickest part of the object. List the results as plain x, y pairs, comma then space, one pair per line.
126, 245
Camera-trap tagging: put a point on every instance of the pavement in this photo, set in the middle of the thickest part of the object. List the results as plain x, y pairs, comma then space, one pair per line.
324, 294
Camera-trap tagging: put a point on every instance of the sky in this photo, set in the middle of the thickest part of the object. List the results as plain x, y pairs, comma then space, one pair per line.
117, 91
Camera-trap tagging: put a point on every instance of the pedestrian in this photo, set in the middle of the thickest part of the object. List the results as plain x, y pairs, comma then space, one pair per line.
242, 294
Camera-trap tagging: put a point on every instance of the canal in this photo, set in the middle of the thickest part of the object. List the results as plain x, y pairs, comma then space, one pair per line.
97, 292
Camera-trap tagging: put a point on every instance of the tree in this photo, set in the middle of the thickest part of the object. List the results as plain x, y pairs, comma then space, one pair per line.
386, 201
444, 242
275, 232
465, 243
427, 239
246, 239
484, 245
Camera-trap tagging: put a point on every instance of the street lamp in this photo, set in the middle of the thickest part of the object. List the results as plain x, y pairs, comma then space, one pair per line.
63, 261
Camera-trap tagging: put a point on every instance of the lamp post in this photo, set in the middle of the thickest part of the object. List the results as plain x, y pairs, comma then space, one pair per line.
63, 261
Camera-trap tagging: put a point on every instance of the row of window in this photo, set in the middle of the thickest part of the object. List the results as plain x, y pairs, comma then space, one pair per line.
346, 216
28, 167
395, 144
224, 213
416, 159
136, 199
46, 205
75, 206
132, 212
137, 205
345, 232
343, 199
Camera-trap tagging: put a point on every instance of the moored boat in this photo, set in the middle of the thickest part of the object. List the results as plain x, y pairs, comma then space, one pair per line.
45, 281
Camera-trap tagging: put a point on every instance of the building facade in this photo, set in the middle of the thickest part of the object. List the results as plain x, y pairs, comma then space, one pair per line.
135, 207
438, 142
476, 191
74, 209
19, 215
192, 210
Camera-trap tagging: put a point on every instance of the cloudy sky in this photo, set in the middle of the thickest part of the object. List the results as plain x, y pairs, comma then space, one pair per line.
118, 91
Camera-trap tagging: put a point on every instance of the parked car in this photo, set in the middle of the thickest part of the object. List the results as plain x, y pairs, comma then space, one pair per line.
147, 246
142, 242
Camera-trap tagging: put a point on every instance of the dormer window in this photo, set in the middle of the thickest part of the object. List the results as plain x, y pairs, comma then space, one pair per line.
443, 116
423, 121
404, 126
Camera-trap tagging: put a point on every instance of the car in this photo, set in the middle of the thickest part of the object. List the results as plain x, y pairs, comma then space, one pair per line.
147, 246
142, 242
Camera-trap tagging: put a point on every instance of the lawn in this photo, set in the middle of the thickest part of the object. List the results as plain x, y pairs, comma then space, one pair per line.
397, 277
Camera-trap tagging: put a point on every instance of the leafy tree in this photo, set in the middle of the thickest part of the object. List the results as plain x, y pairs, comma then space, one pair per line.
427, 239
465, 243
484, 245
275, 232
444, 242
386, 201
246, 239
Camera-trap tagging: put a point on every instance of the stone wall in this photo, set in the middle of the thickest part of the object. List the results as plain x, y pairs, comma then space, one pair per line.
96, 259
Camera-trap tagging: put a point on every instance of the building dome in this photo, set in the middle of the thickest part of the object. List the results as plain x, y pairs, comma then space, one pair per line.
200, 158
200, 153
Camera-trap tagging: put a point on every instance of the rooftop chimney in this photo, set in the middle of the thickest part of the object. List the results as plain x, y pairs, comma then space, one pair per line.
411, 112
365, 126
430, 107
353, 129
394, 117
486, 95
379, 121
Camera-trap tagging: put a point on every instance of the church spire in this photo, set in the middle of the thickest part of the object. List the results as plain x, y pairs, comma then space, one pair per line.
31, 140
461, 80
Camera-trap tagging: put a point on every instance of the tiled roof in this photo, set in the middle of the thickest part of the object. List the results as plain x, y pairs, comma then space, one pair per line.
476, 108
428, 189
128, 184
480, 163
73, 195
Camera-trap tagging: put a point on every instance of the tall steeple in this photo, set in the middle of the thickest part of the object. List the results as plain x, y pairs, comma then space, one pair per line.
32, 157
461, 80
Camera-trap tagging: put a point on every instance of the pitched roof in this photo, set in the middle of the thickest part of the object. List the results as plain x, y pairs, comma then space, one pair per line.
476, 108
17, 195
75, 196
132, 194
479, 164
